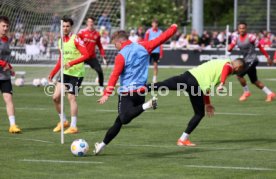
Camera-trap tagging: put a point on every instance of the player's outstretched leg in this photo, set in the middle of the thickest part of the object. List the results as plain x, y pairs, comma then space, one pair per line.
173, 83
197, 102
129, 108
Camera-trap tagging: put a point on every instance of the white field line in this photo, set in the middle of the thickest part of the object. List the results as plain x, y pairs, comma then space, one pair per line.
270, 79
35, 140
237, 114
28, 108
228, 167
60, 161
209, 148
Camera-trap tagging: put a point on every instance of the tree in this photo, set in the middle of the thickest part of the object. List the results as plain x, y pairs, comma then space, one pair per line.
218, 12
141, 12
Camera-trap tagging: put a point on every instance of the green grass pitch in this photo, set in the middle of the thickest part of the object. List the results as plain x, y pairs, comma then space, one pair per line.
238, 142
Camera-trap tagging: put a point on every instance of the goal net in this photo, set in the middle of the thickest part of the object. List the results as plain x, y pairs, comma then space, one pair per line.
35, 30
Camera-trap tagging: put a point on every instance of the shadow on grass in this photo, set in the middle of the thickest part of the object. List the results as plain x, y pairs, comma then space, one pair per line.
29, 129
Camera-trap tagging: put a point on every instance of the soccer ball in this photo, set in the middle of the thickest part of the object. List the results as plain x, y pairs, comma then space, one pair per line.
44, 81
36, 82
79, 147
19, 82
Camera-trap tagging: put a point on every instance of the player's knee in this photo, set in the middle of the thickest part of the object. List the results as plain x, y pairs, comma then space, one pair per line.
200, 115
56, 99
72, 98
124, 119
255, 82
99, 71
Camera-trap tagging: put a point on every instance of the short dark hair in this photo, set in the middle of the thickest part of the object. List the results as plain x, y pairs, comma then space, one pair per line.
242, 62
121, 34
155, 21
242, 23
92, 18
4, 19
68, 19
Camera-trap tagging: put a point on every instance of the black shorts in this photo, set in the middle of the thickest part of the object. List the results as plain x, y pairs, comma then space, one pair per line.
94, 63
72, 84
154, 57
6, 86
251, 71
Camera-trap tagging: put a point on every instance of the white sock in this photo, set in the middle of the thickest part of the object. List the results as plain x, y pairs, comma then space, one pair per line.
154, 79
102, 144
73, 121
147, 105
266, 90
184, 136
245, 88
12, 120
64, 117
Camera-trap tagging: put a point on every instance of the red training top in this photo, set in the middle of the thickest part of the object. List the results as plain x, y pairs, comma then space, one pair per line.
91, 38
120, 61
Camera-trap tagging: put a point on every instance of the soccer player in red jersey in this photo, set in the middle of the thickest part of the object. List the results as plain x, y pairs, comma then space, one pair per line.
247, 43
6, 71
92, 39
74, 55
131, 65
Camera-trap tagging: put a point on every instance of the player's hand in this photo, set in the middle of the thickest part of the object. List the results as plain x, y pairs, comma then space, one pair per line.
210, 110
50, 79
12, 72
174, 25
67, 66
104, 61
220, 88
103, 99
6, 67
269, 62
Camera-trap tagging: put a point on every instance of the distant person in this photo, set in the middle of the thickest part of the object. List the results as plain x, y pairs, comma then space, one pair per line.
105, 39
205, 40
247, 44
157, 53
104, 20
265, 40
140, 33
193, 40
55, 27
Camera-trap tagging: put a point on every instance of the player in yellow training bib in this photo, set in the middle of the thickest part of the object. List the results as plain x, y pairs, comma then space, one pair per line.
75, 53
